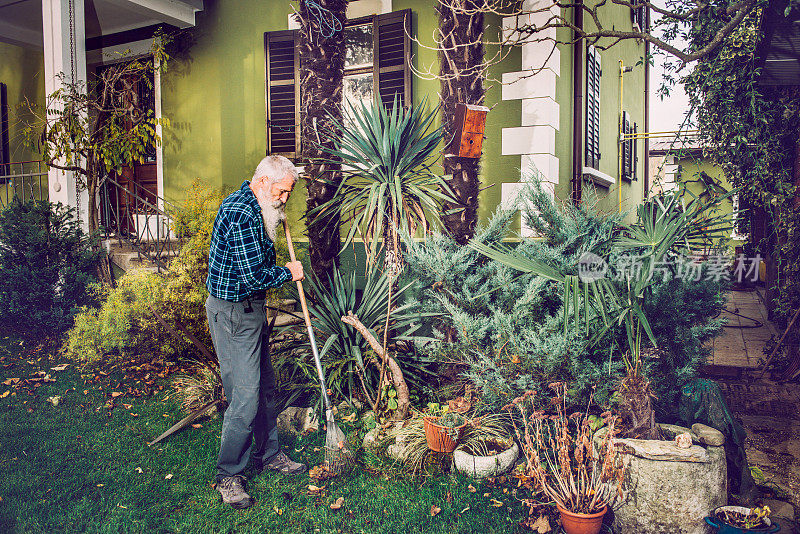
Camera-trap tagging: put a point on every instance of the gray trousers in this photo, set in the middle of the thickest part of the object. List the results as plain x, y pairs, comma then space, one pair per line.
249, 426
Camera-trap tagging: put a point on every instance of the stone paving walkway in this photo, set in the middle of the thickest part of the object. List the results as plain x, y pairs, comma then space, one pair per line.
742, 343
769, 411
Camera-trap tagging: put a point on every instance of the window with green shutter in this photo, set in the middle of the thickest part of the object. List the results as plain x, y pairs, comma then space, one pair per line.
593, 73
628, 148
377, 58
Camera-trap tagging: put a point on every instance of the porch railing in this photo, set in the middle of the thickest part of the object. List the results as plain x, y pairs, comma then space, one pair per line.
135, 216
26, 180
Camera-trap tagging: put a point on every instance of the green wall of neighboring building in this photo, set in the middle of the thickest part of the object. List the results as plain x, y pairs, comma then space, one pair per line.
21, 69
691, 168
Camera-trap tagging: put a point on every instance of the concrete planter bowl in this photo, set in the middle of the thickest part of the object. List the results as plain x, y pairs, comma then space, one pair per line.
670, 490
486, 466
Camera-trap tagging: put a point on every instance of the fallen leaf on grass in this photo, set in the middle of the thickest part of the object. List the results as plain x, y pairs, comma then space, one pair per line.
5, 394
100, 485
541, 525
60, 367
464, 510
197, 425
54, 400
487, 494
496, 503
449, 497
435, 510
278, 511
139, 470
11, 381
169, 476
319, 472
127, 406
472, 489
335, 505
315, 490
115, 394
349, 418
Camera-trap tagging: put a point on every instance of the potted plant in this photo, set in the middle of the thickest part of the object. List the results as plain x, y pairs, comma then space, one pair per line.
738, 520
486, 447
443, 428
583, 478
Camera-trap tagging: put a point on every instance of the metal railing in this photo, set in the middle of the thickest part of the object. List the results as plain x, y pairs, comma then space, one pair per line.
133, 215
26, 180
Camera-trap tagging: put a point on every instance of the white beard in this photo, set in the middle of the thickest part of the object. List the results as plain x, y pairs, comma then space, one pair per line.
273, 214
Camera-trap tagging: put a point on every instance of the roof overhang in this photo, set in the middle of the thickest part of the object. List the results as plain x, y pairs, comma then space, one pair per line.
778, 53
21, 20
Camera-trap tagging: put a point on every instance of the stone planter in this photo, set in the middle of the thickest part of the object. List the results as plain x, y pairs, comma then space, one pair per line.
485, 466
671, 489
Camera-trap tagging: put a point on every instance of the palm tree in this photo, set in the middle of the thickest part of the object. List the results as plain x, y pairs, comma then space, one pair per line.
389, 188
322, 55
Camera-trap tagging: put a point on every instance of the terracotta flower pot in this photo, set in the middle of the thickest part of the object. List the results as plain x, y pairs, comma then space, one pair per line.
582, 523
440, 437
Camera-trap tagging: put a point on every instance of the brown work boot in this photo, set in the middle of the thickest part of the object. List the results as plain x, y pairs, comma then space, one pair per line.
231, 489
283, 464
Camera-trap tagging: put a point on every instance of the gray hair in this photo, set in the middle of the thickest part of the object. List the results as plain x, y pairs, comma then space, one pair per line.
275, 168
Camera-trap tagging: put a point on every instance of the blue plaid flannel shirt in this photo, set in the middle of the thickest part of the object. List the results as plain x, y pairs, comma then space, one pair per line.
241, 260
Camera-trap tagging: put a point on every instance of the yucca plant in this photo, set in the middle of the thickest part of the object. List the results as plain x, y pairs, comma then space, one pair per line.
350, 365
389, 186
666, 228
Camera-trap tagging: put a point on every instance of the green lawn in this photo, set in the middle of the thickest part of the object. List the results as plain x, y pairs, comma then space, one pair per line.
76, 468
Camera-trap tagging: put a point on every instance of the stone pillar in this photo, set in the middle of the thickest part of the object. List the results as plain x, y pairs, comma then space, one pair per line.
64, 34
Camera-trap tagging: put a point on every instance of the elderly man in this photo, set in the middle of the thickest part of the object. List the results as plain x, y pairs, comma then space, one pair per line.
241, 267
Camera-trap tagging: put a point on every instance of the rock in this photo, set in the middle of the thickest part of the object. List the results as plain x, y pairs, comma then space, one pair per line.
665, 451
779, 509
757, 457
708, 436
296, 420
670, 490
395, 451
684, 440
371, 439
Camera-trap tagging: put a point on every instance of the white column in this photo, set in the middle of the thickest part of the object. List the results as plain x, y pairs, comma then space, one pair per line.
64, 52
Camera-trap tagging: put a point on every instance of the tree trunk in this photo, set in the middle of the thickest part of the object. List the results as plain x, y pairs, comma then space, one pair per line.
461, 76
403, 397
321, 73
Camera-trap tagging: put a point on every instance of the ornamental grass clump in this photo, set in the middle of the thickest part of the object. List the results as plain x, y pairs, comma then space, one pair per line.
562, 459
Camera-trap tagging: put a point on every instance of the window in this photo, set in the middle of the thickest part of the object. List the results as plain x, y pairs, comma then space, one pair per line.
628, 146
593, 73
5, 156
376, 66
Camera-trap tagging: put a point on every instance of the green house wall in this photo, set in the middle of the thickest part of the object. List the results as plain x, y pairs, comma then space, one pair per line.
21, 69
214, 98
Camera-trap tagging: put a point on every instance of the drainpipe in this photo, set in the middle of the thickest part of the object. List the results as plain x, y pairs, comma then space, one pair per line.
577, 105
646, 151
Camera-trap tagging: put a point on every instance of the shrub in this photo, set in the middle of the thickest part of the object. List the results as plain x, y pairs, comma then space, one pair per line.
125, 324
47, 264
509, 329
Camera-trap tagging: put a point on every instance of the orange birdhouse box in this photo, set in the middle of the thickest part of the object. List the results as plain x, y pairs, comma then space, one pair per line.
470, 124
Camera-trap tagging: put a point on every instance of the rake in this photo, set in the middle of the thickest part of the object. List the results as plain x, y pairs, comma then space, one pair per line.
338, 456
